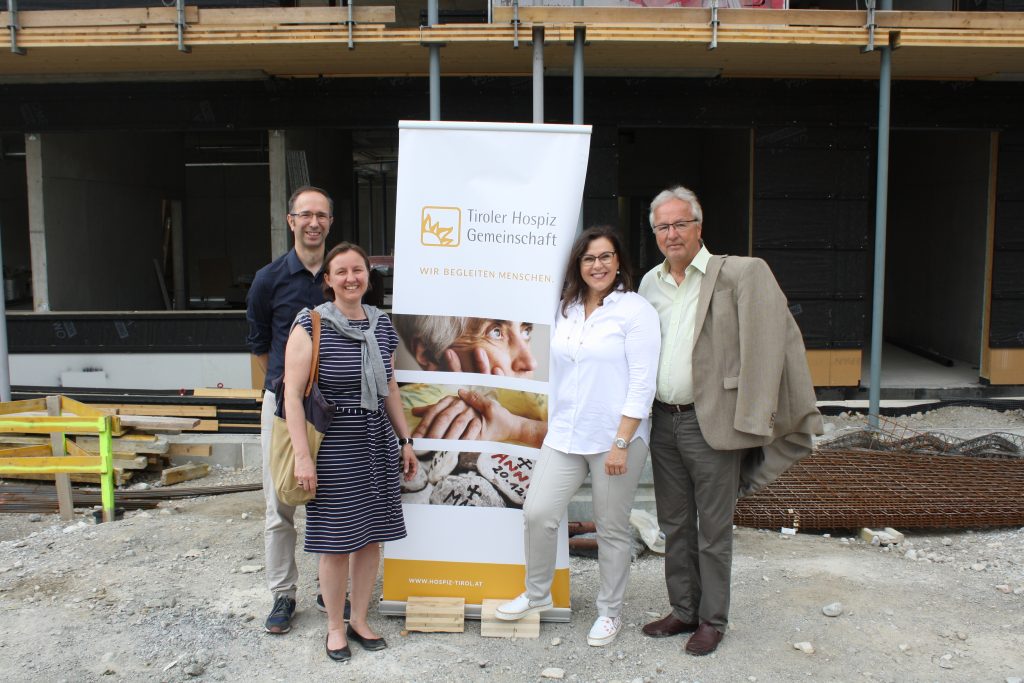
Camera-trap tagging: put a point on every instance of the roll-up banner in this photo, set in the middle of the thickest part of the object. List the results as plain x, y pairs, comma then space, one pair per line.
485, 218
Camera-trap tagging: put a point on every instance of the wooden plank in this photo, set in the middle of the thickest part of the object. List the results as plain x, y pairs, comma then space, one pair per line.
435, 615
157, 410
62, 482
195, 450
844, 367
120, 477
207, 426
174, 475
1006, 366
46, 424
70, 405
949, 20
26, 406
295, 15
12, 439
208, 392
64, 463
125, 444
492, 627
25, 451
150, 422
128, 461
100, 17
985, 370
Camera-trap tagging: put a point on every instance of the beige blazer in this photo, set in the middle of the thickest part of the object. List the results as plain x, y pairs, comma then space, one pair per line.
751, 384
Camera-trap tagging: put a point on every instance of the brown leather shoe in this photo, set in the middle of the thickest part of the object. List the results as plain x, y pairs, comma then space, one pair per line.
704, 641
668, 626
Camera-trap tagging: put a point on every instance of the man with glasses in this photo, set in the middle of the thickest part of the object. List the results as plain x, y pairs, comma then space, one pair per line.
279, 291
734, 407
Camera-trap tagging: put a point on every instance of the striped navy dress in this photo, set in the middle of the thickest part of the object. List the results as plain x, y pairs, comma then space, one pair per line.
358, 496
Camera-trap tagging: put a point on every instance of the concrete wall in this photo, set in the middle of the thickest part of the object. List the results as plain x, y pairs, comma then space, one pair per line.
714, 163
227, 227
935, 262
171, 371
329, 165
14, 213
101, 197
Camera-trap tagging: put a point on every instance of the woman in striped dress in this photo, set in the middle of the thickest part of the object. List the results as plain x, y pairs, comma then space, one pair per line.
357, 503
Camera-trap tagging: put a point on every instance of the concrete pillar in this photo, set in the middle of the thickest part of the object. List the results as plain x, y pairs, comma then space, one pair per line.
278, 149
36, 221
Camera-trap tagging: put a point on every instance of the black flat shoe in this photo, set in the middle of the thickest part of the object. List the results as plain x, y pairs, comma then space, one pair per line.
368, 644
342, 654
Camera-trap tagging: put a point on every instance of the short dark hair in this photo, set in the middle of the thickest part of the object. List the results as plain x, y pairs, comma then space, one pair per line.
309, 188
337, 250
574, 287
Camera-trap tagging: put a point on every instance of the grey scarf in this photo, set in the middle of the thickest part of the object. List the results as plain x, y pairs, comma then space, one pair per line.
374, 383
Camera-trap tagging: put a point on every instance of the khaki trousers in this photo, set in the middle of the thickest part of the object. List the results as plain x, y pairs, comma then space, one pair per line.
695, 488
557, 476
279, 530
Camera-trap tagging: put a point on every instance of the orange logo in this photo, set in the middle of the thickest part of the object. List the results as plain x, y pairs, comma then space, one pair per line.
441, 226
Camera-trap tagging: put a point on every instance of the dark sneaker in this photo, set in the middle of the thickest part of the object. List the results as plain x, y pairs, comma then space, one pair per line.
323, 608
280, 619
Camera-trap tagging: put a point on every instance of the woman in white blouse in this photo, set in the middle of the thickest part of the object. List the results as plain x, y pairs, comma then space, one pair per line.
604, 363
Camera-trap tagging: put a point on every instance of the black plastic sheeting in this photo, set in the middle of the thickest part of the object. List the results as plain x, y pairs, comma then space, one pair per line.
125, 332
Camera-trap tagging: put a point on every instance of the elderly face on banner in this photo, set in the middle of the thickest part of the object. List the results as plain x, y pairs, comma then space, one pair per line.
487, 346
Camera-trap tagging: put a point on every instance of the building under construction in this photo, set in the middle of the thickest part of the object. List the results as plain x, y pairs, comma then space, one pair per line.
148, 148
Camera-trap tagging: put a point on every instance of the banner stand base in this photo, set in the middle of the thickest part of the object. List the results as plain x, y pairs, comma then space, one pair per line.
396, 608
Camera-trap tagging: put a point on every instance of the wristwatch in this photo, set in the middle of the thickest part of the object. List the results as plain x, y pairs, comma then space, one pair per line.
403, 441
620, 442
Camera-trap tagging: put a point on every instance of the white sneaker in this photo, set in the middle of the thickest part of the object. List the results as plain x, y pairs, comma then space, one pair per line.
604, 631
521, 607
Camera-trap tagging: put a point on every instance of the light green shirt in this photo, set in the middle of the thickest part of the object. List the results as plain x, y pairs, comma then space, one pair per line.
677, 308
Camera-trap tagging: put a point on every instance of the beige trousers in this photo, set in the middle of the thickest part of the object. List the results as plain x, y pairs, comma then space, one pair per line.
557, 476
279, 530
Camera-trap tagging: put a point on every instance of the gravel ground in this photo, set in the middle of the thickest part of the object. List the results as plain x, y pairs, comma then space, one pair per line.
179, 594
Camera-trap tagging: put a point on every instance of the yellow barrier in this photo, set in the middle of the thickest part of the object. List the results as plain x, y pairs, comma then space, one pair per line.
34, 460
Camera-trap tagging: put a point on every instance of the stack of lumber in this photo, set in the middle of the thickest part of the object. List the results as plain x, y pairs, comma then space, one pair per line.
220, 411
140, 440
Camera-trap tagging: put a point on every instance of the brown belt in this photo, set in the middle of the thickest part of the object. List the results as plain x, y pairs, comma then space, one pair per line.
674, 408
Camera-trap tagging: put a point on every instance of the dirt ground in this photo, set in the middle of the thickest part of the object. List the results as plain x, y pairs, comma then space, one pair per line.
179, 594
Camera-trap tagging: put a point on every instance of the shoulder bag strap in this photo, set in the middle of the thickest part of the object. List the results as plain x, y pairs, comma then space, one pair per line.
315, 364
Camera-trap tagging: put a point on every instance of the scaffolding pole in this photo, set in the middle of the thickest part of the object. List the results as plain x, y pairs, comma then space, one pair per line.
881, 208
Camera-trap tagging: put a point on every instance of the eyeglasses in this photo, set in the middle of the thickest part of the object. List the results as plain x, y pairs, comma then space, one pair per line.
309, 215
678, 226
605, 259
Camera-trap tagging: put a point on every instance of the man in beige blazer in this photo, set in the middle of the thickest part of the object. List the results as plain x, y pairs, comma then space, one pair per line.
734, 408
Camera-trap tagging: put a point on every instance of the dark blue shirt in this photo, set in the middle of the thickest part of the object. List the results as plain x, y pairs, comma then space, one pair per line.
279, 291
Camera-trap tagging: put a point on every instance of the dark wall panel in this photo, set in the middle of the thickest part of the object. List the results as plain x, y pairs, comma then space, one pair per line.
812, 224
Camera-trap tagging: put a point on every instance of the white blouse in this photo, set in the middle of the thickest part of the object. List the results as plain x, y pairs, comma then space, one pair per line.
602, 368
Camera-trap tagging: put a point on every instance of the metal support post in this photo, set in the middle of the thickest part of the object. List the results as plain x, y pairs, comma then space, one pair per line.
435, 66
714, 25
13, 26
881, 207
515, 24
538, 74
871, 26
5, 364
579, 38
180, 24
351, 23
